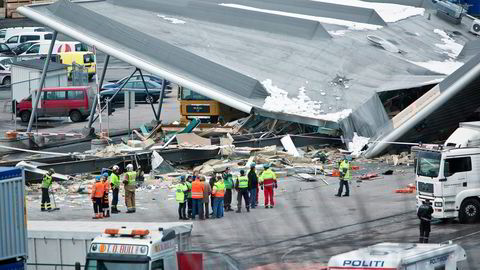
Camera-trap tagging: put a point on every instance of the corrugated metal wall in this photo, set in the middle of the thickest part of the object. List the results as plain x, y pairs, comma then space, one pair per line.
13, 231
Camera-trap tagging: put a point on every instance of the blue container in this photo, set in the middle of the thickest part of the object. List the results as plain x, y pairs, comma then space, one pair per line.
13, 266
474, 8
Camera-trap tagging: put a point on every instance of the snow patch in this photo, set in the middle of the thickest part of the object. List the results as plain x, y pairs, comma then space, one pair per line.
171, 19
302, 105
357, 143
447, 67
452, 48
351, 25
388, 12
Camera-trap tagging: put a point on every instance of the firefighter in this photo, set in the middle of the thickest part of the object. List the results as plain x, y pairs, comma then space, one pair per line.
228, 181
181, 189
345, 177
242, 191
97, 197
106, 189
115, 182
130, 186
424, 213
46, 184
218, 193
268, 181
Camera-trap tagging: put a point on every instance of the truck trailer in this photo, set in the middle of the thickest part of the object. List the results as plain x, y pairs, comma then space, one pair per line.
13, 230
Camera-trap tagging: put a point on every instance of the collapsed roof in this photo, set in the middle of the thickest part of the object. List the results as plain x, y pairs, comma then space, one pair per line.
313, 62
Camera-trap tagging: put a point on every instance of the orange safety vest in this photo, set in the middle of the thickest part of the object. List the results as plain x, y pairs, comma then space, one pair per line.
106, 186
197, 189
97, 190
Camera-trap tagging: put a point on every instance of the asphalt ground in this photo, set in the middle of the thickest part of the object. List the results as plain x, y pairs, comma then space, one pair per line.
308, 224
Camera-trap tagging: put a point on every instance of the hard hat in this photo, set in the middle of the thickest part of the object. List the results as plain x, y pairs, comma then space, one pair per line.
242, 172
130, 167
51, 171
253, 165
266, 165
182, 178
97, 178
115, 167
105, 174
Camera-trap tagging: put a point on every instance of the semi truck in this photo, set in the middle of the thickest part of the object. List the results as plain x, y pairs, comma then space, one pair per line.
401, 256
13, 230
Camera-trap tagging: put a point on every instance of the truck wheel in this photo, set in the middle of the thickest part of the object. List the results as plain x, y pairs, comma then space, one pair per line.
76, 116
469, 211
25, 116
149, 99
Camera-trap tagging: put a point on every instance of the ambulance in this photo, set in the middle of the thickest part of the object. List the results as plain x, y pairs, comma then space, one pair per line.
143, 249
401, 256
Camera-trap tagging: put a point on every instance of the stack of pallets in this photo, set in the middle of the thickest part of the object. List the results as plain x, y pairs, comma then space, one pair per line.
12, 5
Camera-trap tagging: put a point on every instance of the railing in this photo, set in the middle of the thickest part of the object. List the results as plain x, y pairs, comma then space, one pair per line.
56, 266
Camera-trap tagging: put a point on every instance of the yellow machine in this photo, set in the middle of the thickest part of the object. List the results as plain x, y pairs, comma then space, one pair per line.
86, 59
195, 105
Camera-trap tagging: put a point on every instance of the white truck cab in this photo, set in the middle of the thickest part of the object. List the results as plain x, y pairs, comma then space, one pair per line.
450, 179
133, 249
399, 256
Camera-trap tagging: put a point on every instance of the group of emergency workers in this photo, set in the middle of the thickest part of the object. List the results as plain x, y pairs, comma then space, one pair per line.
195, 195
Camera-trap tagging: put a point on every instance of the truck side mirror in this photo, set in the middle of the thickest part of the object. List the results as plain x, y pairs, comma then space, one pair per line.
77, 266
442, 180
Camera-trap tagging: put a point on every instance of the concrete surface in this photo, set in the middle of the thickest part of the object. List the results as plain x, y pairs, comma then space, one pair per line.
307, 225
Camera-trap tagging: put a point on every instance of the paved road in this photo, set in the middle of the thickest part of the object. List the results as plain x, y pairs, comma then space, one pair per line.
308, 223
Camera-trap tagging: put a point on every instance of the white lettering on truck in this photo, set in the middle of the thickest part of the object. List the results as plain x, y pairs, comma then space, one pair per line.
363, 263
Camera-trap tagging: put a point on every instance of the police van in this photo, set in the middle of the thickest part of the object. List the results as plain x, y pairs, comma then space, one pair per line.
398, 256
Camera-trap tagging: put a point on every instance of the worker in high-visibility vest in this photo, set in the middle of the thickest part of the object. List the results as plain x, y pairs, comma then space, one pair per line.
181, 188
115, 182
130, 182
268, 181
197, 198
106, 190
218, 194
345, 177
242, 189
46, 183
97, 197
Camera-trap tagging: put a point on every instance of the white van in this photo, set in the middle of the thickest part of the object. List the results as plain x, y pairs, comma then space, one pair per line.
42, 47
17, 39
6, 33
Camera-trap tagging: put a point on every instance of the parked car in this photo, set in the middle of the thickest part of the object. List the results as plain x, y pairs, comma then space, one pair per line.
17, 39
41, 47
140, 94
6, 61
6, 33
21, 48
5, 50
74, 102
5, 75
147, 77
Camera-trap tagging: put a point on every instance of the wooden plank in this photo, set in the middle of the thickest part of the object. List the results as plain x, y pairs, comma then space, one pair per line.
19, 1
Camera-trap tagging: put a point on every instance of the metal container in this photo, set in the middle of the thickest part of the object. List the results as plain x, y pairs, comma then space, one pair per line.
67, 242
13, 227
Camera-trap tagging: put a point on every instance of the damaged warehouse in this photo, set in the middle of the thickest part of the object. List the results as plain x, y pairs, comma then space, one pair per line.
279, 133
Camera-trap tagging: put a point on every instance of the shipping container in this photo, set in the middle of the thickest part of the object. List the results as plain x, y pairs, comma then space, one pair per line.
13, 232
67, 242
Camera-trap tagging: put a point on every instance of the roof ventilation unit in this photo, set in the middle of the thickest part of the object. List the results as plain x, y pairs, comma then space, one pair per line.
475, 28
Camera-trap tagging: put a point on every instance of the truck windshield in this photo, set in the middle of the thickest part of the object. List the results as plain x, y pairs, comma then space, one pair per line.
428, 163
115, 265
188, 94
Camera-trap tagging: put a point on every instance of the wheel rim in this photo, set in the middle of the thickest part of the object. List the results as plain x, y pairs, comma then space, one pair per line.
149, 99
471, 210
76, 116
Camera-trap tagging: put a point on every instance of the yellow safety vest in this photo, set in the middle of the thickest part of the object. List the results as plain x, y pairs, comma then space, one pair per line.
180, 193
132, 178
242, 182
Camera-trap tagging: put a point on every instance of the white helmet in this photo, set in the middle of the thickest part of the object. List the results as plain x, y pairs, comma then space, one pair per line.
115, 167
130, 167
